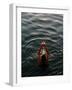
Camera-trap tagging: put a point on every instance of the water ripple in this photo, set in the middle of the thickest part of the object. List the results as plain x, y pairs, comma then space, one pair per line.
36, 27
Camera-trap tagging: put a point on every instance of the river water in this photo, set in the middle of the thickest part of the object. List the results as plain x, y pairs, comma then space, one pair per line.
36, 27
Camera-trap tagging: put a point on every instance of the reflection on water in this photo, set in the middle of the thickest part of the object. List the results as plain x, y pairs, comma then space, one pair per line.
36, 27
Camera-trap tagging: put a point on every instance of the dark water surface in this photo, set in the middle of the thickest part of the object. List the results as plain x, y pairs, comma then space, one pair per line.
36, 27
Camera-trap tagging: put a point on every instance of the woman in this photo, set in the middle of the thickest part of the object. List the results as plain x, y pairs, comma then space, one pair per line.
43, 54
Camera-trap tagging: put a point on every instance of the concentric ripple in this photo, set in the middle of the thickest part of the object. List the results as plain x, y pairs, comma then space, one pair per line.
36, 27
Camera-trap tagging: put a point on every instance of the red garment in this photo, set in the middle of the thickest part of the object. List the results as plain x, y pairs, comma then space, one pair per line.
43, 45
